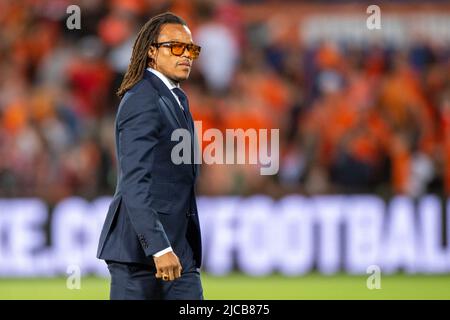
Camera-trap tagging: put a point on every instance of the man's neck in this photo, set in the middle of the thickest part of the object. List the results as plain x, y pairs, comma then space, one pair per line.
168, 81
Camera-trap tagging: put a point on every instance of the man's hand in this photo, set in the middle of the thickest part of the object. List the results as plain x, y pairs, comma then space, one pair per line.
168, 266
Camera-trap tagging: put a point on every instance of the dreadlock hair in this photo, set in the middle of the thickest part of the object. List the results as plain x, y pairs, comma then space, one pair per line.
148, 34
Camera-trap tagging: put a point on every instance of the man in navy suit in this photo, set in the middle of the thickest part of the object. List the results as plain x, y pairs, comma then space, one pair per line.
151, 236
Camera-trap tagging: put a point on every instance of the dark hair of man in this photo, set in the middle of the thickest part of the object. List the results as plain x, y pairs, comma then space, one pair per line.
139, 61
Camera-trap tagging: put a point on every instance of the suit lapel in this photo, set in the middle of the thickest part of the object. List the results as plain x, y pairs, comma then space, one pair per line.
168, 99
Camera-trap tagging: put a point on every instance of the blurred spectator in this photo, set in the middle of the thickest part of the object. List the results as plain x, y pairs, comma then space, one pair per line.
219, 56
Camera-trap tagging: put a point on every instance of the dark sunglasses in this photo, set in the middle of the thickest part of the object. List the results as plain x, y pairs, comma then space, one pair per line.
177, 48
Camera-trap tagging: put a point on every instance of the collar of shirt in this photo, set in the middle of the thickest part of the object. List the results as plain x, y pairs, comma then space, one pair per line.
169, 83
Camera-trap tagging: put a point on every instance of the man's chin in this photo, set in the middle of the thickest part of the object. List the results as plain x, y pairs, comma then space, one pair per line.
180, 78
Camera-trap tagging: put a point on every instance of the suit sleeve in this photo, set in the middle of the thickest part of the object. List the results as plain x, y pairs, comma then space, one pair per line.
138, 127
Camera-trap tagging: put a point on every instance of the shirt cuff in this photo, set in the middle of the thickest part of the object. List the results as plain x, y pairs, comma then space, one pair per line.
160, 253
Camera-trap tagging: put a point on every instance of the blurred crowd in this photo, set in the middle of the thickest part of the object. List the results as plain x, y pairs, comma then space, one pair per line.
369, 118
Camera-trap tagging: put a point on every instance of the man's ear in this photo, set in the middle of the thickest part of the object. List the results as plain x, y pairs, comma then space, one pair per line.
151, 55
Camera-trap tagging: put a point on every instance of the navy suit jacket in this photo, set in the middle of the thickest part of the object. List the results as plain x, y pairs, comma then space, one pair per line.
154, 205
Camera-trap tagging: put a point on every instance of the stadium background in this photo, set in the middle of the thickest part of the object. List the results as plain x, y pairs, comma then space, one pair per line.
360, 112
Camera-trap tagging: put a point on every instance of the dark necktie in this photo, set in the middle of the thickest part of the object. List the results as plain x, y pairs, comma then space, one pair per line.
184, 102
